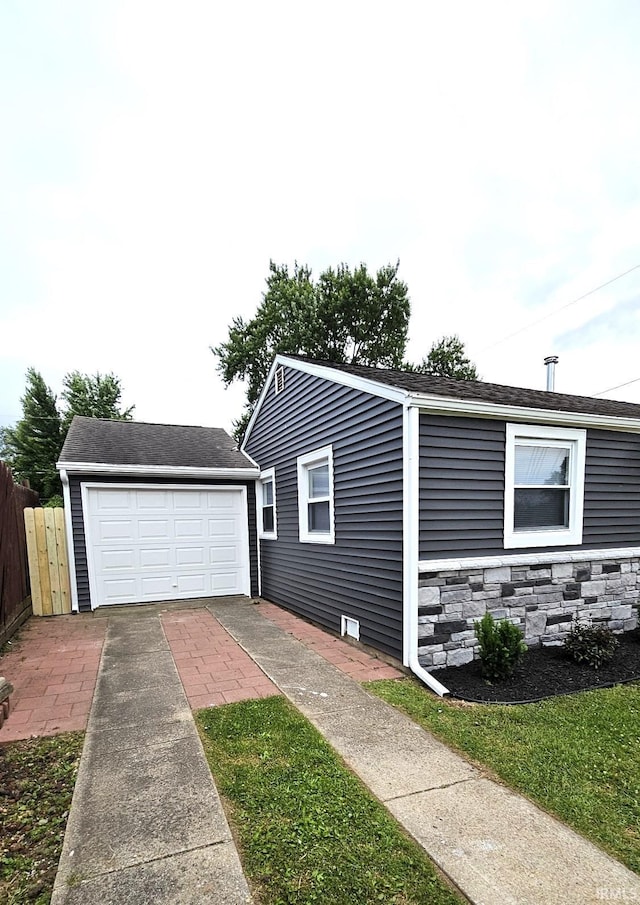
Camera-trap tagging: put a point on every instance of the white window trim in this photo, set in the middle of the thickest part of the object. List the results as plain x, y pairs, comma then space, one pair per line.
317, 457
269, 474
548, 537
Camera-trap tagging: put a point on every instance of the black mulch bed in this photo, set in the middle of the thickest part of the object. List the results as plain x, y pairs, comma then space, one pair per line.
544, 673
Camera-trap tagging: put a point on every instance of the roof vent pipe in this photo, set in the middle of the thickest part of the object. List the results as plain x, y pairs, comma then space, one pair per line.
551, 361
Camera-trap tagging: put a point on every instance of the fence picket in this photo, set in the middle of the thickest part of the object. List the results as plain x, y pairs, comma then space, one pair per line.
32, 556
63, 561
43, 563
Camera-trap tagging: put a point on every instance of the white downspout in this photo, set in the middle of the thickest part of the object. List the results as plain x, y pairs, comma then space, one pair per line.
410, 537
68, 523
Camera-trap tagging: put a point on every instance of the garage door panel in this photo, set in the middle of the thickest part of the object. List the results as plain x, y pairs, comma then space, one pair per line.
152, 500
187, 499
150, 528
118, 590
154, 558
152, 585
223, 582
190, 556
115, 500
115, 530
112, 560
192, 584
155, 544
189, 528
226, 555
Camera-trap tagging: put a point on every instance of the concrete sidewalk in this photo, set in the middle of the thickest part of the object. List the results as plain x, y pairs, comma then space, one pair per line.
146, 823
496, 846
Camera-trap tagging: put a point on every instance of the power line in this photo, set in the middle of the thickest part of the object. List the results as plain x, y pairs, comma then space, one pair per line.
628, 383
558, 310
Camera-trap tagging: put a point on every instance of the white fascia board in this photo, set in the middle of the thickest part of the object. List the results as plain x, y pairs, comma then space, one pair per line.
441, 405
258, 405
168, 471
365, 384
527, 559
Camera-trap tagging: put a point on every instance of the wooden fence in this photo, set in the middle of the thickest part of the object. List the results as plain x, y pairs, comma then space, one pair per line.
48, 561
15, 603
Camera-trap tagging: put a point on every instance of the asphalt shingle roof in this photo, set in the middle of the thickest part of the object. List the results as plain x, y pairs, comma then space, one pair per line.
98, 440
484, 392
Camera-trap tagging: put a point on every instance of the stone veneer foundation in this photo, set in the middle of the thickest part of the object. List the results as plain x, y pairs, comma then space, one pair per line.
542, 599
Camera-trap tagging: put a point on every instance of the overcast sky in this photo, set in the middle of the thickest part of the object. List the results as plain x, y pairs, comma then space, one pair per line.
155, 155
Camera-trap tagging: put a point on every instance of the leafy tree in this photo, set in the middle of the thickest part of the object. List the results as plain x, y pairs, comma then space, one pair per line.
33, 446
447, 358
348, 317
97, 396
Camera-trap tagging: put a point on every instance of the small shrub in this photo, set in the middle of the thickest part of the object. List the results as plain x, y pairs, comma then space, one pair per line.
591, 644
501, 647
56, 502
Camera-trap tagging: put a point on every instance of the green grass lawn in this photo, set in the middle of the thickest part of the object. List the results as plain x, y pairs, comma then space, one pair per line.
578, 756
37, 777
308, 830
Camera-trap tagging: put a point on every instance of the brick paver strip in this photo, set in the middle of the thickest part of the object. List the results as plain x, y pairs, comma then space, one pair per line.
52, 664
213, 668
351, 660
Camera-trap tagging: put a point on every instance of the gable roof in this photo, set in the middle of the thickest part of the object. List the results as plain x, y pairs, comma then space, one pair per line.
426, 385
139, 446
472, 398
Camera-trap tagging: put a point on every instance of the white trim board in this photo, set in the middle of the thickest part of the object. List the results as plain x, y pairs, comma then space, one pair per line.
526, 559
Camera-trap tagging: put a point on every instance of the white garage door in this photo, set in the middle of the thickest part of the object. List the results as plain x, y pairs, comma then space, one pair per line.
165, 543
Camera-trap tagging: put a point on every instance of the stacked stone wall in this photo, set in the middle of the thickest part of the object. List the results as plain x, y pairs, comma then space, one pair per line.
543, 599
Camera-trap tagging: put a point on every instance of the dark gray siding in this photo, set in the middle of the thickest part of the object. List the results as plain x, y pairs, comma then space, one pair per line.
361, 574
612, 491
80, 549
462, 488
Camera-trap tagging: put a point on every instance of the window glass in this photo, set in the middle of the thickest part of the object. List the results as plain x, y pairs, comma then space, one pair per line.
267, 518
267, 493
319, 516
537, 508
546, 465
319, 481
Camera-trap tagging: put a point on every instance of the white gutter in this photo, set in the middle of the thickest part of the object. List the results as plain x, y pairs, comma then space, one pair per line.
440, 405
410, 547
68, 524
167, 471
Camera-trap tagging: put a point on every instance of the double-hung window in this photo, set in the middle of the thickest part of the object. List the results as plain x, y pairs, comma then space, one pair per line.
544, 486
267, 504
315, 497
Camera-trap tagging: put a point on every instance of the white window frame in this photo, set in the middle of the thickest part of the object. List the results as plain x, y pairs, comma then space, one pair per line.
304, 463
269, 474
576, 441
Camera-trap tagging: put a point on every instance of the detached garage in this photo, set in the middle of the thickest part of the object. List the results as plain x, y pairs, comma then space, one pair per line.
157, 512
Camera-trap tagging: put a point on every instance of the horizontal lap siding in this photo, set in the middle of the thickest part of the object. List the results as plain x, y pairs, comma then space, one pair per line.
361, 574
461, 486
462, 489
612, 492
80, 548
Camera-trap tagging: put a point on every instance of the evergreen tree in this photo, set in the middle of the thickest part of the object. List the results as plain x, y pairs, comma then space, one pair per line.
33, 446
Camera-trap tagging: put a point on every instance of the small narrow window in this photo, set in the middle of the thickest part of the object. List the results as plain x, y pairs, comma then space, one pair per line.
267, 504
544, 486
279, 382
315, 497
